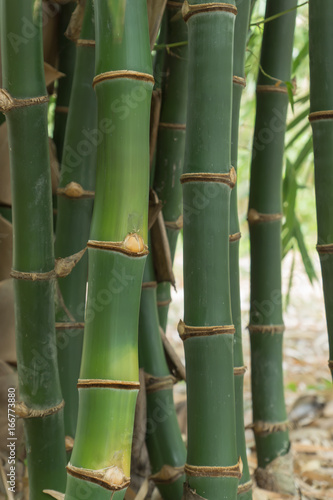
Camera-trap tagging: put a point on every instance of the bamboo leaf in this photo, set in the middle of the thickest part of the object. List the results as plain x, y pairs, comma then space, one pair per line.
301, 116
298, 134
303, 53
310, 271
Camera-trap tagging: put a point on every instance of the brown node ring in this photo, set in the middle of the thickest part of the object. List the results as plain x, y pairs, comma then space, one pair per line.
264, 89
173, 126
266, 328
163, 303
201, 8
261, 428
176, 225
240, 370
75, 190
230, 178
238, 80
69, 325
108, 384
23, 411
167, 474
112, 478
133, 245
206, 471
325, 249
7, 102
320, 115
81, 42
149, 284
132, 75
154, 384
244, 488
61, 109
255, 217
187, 332
235, 237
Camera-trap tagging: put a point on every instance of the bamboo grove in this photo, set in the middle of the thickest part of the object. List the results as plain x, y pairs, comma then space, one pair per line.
143, 100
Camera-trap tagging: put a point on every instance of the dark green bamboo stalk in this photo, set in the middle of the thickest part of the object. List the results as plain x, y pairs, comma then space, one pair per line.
165, 445
108, 384
321, 118
265, 213
67, 54
211, 468
75, 204
241, 31
24, 101
171, 144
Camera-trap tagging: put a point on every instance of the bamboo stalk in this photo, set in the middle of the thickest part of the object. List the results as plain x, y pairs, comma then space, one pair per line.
241, 31
108, 385
265, 208
171, 144
212, 469
321, 106
165, 445
67, 54
24, 101
75, 203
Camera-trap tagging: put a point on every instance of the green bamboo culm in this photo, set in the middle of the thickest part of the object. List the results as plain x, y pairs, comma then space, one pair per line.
67, 54
171, 144
321, 118
270, 426
212, 469
166, 448
75, 203
241, 31
108, 384
24, 101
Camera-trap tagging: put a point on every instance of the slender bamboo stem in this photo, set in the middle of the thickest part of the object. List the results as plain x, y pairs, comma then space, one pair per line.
67, 53
25, 102
265, 213
171, 145
108, 385
165, 445
241, 31
321, 118
212, 468
75, 203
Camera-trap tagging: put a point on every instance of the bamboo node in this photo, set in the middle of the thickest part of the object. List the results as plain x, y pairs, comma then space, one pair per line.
168, 474
266, 328
264, 89
163, 303
61, 109
173, 126
7, 102
75, 190
201, 8
238, 80
240, 370
176, 225
261, 428
244, 488
325, 249
81, 42
132, 75
132, 246
112, 478
230, 178
149, 284
23, 411
154, 384
207, 471
186, 332
62, 268
320, 115
69, 325
100, 383
255, 217
235, 237
69, 443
